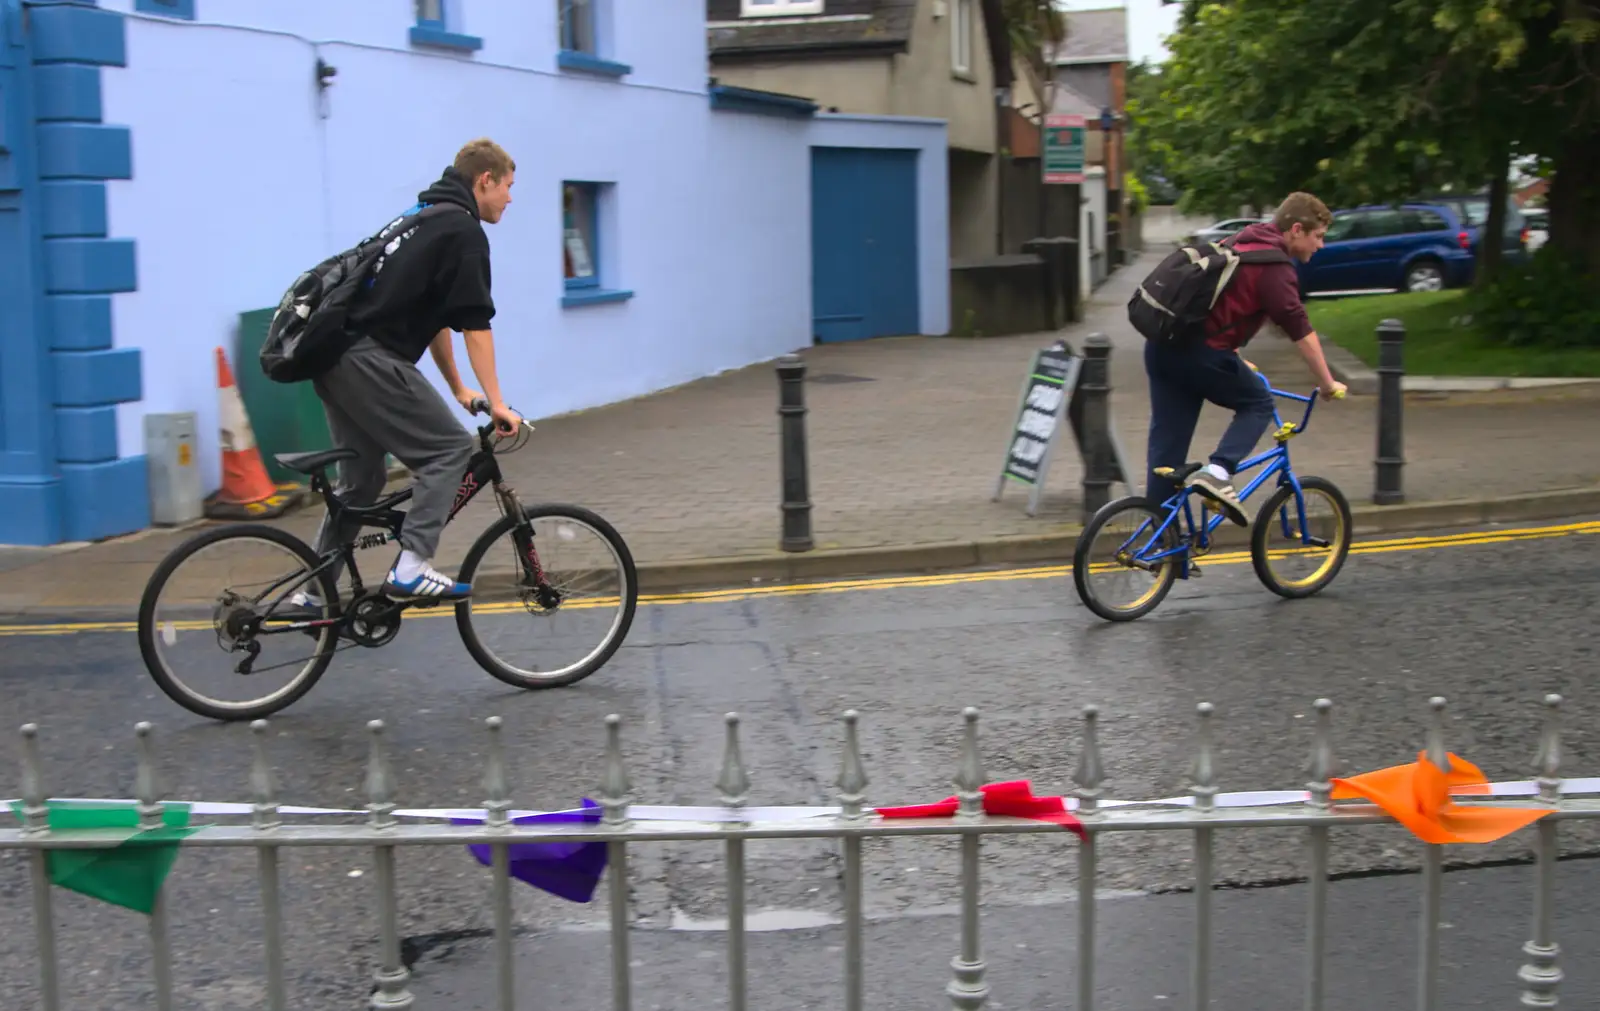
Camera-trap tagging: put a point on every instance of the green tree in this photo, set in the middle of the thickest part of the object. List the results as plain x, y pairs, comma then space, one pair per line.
1034, 28
1146, 161
1377, 100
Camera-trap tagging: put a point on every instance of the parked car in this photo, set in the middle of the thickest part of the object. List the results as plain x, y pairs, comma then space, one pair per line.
1423, 246
1538, 226
1474, 210
1221, 230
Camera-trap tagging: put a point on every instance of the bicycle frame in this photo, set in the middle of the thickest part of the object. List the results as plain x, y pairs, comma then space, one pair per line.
483, 470
1276, 461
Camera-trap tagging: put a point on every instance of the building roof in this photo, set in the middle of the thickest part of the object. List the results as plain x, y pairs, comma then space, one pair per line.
858, 26
1066, 99
1099, 36
866, 25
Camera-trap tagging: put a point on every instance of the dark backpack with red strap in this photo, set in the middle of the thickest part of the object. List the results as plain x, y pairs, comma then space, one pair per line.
1171, 306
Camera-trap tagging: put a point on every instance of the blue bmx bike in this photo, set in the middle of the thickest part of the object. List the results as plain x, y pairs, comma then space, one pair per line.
1298, 541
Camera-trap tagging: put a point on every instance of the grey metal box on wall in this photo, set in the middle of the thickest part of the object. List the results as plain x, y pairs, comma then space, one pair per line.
171, 447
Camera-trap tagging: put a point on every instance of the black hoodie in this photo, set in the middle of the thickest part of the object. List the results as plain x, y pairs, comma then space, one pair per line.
437, 277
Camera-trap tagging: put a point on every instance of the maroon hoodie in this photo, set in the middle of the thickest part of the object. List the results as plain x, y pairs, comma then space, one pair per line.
1258, 292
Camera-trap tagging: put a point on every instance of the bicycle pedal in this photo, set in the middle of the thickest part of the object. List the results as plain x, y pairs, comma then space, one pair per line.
1194, 570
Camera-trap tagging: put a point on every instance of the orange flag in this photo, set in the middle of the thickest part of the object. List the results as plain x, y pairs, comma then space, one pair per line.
1418, 797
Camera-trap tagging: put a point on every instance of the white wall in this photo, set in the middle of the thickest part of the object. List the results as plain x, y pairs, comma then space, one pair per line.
1164, 225
244, 176
929, 137
1091, 221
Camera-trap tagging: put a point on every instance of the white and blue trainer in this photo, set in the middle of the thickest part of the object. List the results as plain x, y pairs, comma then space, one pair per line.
427, 584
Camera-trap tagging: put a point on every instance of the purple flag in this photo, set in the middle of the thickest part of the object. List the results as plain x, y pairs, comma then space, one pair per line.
568, 870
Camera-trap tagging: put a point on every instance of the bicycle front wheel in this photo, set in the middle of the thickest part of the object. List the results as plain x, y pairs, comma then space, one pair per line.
1297, 551
211, 622
550, 609
1111, 552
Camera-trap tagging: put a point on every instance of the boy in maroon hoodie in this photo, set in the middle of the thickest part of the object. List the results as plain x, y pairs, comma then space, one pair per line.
1182, 380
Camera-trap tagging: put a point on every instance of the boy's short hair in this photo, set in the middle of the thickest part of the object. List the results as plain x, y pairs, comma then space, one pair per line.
483, 155
1304, 210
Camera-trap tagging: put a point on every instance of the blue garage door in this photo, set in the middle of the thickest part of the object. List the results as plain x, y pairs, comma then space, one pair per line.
863, 243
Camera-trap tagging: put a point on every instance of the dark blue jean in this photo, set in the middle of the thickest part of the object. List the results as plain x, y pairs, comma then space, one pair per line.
1180, 382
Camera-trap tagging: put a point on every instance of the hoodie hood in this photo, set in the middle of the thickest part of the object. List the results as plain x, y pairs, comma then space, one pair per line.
1262, 233
450, 188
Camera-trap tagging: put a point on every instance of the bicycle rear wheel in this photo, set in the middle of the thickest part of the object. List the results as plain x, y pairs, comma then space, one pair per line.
1119, 531
205, 613
565, 622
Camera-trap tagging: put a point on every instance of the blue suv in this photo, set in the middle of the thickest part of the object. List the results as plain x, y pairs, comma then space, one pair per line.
1424, 246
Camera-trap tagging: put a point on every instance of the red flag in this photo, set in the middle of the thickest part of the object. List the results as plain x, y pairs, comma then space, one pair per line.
1013, 799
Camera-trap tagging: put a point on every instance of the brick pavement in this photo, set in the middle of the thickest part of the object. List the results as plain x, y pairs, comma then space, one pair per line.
906, 440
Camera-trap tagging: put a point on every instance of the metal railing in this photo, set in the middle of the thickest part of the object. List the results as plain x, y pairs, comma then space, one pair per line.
622, 824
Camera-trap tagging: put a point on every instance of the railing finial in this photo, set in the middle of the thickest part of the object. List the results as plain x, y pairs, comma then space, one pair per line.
733, 783
263, 786
615, 789
852, 780
1091, 772
969, 779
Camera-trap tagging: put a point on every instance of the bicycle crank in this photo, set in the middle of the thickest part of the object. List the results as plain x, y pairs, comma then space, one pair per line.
374, 620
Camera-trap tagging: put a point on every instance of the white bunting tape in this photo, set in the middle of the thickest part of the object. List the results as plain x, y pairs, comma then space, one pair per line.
717, 813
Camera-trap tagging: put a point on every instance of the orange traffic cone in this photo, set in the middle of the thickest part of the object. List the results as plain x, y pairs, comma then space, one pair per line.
247, 492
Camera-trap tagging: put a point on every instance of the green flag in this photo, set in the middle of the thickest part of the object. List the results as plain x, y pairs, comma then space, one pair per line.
128, 873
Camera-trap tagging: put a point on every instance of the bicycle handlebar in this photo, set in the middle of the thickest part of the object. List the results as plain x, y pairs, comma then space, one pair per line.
1309, 400
480, 405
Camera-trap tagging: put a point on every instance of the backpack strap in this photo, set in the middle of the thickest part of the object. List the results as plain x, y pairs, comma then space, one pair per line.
1263, 256
434, 210
416, 217
1257, 256
1273, 255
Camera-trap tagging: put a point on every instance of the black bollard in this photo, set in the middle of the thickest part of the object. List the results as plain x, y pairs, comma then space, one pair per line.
792, 436
1391, 368
1094, 386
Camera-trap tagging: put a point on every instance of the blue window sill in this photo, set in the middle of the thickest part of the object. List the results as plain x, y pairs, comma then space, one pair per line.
571, 59
422, 35
593, 296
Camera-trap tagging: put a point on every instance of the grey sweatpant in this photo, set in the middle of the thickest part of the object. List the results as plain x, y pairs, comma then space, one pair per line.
377, 403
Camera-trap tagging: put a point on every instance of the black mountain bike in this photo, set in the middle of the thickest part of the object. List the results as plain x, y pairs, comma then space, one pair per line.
581, 575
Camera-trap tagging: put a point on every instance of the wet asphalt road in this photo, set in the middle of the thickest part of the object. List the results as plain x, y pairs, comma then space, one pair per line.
1492, 627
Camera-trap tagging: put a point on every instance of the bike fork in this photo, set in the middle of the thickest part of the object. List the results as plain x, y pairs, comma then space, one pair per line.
522, 537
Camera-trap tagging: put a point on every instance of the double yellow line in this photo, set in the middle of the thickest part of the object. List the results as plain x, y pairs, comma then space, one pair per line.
734, 594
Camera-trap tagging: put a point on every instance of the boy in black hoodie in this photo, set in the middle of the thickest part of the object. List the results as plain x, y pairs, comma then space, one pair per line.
431, 280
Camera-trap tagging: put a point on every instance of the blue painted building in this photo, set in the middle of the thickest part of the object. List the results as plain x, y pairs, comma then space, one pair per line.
167, 165
62, 473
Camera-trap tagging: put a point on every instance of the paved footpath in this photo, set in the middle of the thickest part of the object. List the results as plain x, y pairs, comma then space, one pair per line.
906, 441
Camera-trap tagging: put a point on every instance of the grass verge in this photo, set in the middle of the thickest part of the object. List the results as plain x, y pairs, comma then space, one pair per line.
1440, 337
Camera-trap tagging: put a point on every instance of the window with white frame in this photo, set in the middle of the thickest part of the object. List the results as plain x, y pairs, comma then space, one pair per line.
776, 8
961, 17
